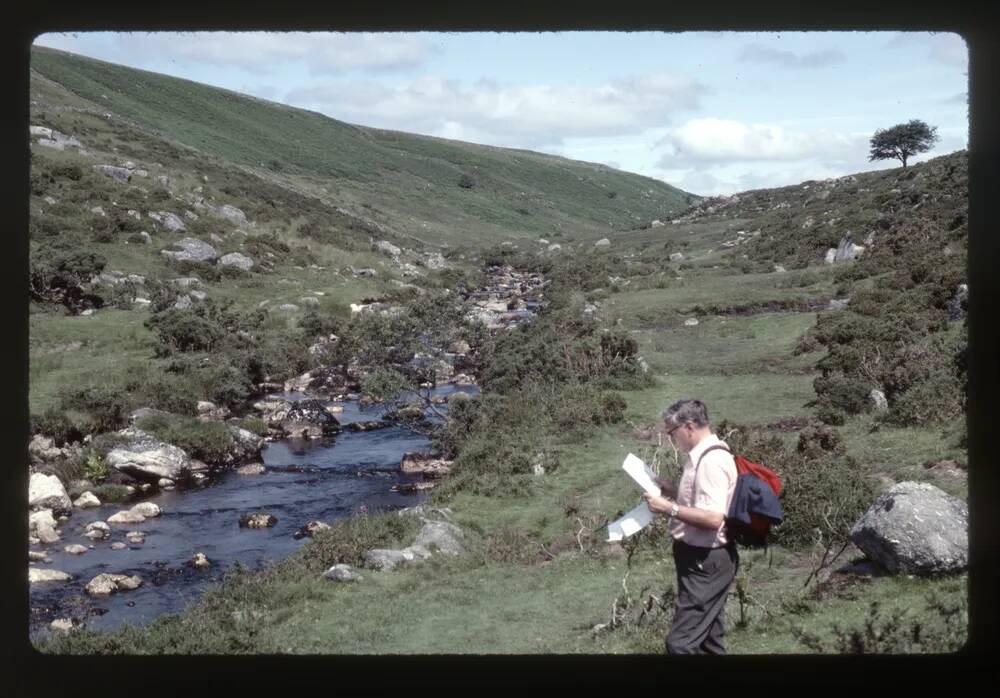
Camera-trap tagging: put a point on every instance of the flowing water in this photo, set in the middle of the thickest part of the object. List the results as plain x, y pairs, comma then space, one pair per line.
304, 481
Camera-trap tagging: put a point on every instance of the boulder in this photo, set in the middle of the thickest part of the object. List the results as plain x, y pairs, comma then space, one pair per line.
676, 257
288, 307
193, 250
118, 545
603, 242
691, 322
165, 483
386, 560
46, 534
40, 518
87, 500
273, 412
135, 537
145, 458
838, 303
441, 535
237, 259
424, 463
554, 247
61, 625
915, 528
232, 214
342, 573
309, 419
144, 412
388, 248
310, 529
37, 576
170, 221
436, 260
47, 492
75, 549
258, 520
362, 272
656, 224
42, 449
98, 530
40, 131
187, 281
252, 469
831, 255
120, 173
146, 509
126, 517
878, 400
106, 584
37, 557
199, 561
246, 446
163, 181
958, 303
847, 250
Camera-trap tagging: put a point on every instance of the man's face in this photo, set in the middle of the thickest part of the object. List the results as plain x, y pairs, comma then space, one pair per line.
679, 434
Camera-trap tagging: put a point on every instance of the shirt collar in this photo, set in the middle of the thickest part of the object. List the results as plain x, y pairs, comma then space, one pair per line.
699, 449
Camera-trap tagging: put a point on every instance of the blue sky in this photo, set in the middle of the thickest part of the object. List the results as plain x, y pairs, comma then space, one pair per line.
709, 112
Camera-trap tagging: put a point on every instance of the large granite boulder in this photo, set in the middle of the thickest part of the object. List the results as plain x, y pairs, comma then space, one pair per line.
42, 449
309, 419
847, 250
41, 518
915, 528
47, 492
144, 457
106, 584
440, 535
342, 573
246, 446
232, 214
170, 221
193, 250
388, 248
274, 411
236, 259
122, 174
385, 560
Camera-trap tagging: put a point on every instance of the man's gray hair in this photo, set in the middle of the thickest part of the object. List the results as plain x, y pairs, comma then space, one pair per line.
684, 411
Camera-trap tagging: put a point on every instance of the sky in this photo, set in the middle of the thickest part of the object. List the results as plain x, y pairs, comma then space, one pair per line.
712, 113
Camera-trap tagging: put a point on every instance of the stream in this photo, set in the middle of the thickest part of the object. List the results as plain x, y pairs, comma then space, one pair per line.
304, 481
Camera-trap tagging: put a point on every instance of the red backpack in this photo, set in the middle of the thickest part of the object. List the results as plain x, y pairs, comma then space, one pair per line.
754, 507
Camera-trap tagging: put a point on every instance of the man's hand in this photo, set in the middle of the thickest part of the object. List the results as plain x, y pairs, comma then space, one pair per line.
668, 488
657, 505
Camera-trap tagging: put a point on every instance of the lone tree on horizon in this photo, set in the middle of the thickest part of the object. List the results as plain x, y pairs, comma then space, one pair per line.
903, 140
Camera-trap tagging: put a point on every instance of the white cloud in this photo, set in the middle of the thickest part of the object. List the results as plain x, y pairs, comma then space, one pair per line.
725, 140
765, 54
512, 115
944, 47
323, 53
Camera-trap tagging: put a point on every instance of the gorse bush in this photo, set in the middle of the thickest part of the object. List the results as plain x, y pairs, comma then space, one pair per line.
824, 493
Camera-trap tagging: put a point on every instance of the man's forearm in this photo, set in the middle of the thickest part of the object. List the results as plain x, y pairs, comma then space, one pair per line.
702, 518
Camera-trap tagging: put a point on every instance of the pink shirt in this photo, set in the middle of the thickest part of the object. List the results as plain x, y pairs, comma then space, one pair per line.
712, 491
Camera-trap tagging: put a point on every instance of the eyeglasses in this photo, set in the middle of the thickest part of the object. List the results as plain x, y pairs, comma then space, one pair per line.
670, 432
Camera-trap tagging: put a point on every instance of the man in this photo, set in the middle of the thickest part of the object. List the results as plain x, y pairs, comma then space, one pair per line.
706, 560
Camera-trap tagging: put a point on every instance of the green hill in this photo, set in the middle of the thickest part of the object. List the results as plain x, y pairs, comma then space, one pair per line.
408, 183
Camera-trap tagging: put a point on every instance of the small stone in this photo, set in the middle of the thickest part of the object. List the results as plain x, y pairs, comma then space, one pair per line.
118, 546
126, 517
146, 509
199, 561
36, 576
136, 537
62, 625
87, 500
251, 469
691, 322
75, 549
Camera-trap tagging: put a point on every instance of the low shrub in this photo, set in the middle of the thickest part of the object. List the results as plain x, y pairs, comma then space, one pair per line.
824, 492
208, 441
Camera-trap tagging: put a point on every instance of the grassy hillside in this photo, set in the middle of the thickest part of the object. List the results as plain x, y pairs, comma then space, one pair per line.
409, 183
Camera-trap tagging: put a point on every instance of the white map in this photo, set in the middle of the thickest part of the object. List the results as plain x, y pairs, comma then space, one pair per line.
640, 517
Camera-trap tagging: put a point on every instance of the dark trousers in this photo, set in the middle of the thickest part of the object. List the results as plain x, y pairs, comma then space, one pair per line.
704, 576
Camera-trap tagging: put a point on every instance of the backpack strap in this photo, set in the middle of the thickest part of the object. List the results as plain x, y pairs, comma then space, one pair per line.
710, 448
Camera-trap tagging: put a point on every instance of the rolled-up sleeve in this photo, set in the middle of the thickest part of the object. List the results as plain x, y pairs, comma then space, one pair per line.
715, 480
